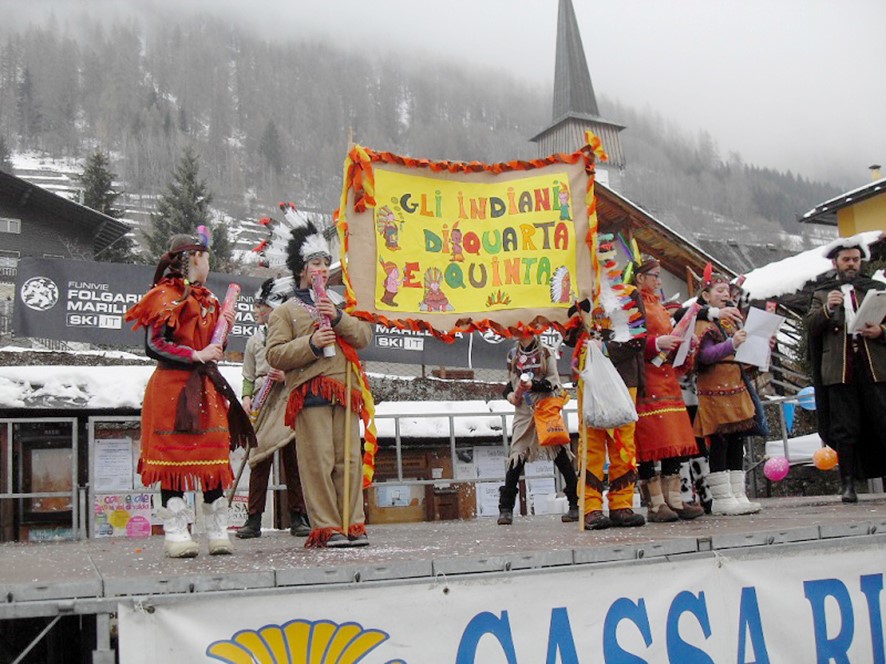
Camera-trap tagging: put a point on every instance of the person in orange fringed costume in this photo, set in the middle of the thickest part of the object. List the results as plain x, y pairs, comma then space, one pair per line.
664, 431
191, 417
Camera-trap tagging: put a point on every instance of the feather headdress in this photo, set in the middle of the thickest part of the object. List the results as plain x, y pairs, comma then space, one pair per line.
615, 296
274, 292
290, 240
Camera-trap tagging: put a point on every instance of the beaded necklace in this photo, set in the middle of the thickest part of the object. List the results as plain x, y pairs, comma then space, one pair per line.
527, 360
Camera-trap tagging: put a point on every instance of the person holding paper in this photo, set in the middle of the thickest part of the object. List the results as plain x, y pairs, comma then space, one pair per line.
324, 413
849, 370
695, 470
663, 432
272, 433
726, 410
191, 417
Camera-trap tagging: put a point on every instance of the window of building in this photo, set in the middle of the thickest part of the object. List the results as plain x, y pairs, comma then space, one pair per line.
8, 225
9, 258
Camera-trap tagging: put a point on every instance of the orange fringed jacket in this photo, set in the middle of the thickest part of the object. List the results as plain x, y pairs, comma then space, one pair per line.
180, 461
664, 429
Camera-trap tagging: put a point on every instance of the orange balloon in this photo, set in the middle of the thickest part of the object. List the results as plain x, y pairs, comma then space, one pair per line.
824, 458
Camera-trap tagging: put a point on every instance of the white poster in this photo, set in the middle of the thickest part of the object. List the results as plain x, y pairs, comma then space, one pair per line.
113, 464
487, 498
767, 605
490, 461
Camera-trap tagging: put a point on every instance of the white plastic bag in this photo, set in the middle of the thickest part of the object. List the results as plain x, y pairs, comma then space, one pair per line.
607, 403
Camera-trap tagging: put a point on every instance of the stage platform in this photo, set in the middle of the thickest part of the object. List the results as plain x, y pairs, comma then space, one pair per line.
92, 576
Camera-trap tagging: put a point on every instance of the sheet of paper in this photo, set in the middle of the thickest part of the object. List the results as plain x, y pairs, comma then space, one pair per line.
113, 464
872, 310
683, 350
761, 326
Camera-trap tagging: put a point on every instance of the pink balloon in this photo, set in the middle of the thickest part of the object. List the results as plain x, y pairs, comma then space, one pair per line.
776, 469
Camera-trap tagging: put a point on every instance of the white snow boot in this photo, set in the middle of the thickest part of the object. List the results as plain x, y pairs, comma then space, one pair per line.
178, 543
737, 479
215, 516
725, 502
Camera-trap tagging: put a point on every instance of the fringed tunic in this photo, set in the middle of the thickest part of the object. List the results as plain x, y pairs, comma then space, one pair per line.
178, 460
724, 403
664, 429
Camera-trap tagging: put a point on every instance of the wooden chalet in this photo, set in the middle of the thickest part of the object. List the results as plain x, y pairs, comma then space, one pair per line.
855, 211
37, 222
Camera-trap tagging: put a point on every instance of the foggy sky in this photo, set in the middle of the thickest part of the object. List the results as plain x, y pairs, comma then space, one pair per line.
789, 84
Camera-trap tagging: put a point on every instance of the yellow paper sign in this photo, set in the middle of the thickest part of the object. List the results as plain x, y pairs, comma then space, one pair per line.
444, 245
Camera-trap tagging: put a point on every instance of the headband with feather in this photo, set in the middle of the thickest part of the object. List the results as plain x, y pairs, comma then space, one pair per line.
274, 292
710, 278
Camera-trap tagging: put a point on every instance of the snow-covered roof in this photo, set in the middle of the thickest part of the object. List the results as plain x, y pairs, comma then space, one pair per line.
791, 274
826, 213
123, 387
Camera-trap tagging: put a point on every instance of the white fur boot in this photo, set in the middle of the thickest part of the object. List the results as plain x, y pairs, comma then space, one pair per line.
215, 515
178, 543
737, 479
725, 502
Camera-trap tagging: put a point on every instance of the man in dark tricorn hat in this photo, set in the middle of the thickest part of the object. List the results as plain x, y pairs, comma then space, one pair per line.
849, 368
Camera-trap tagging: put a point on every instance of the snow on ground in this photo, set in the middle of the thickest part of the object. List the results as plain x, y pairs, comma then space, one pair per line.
36, 161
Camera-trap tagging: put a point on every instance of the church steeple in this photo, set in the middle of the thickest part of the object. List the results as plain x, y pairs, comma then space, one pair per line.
575, 104
573, 90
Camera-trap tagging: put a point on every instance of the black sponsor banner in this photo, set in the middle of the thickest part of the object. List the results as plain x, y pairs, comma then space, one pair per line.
85, 301
476, 350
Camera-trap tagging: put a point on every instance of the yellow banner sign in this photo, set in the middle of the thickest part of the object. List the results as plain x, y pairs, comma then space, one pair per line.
458, 246
487, 249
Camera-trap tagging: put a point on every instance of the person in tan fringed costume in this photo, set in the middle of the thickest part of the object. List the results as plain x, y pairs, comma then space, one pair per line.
316, 386
726, 410
271, 431
531, 360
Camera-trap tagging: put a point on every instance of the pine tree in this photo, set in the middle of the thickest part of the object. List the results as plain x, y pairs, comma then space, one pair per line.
98, 193
221, 258
269, 148
5, 156
98, 185
181, 208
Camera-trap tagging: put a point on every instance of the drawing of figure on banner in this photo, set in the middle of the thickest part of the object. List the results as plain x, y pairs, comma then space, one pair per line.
386, 224
563, 197
392, 281
458, 255
435, 299
561, 286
